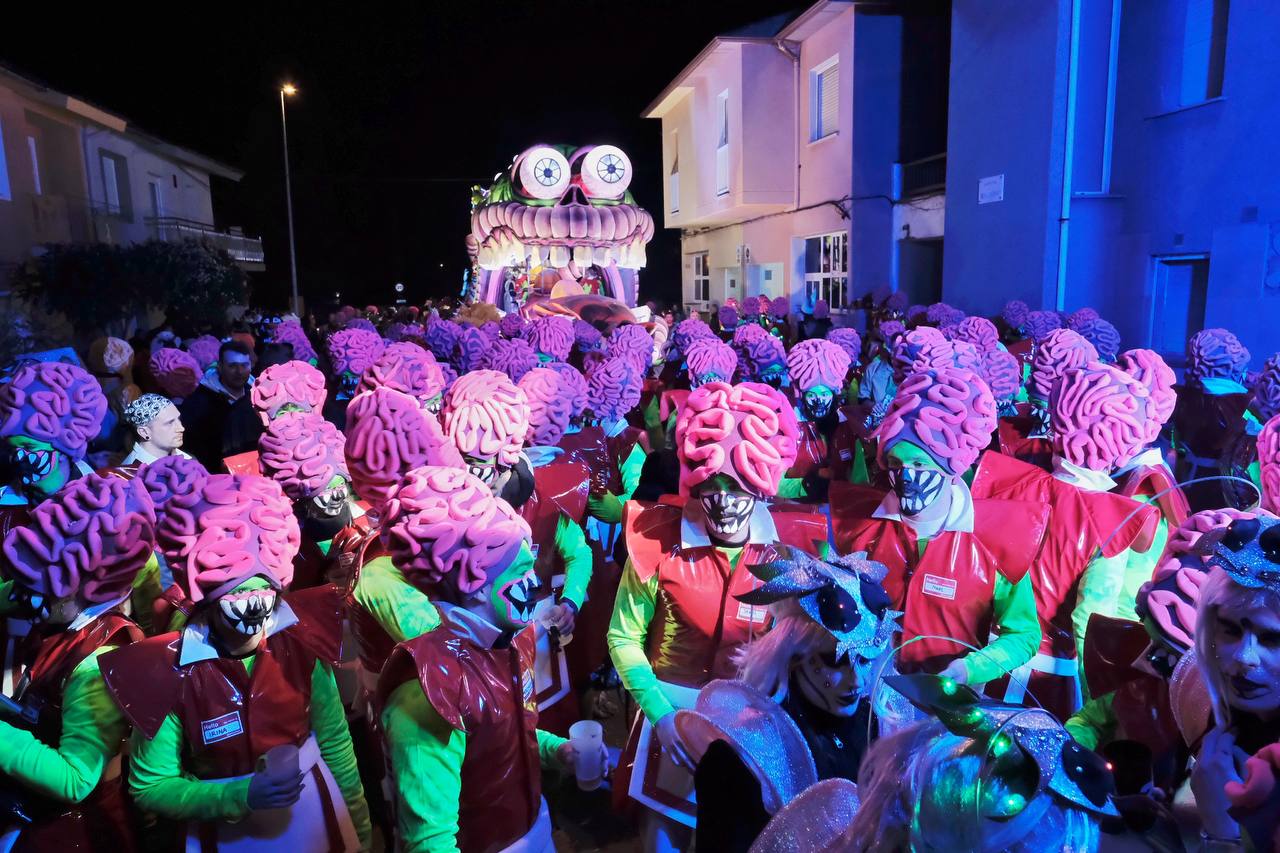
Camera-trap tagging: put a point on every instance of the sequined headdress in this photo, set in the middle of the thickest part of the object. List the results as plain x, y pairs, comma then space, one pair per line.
1249, 551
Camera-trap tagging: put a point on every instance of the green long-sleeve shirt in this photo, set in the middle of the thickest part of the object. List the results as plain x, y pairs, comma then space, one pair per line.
633, 610
402, 609
571, 542
1014, 619
426, 759
610, 512
93, 730
160, 785
1095, 723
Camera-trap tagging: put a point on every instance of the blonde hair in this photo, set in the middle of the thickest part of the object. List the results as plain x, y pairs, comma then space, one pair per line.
1221, 591
766, 663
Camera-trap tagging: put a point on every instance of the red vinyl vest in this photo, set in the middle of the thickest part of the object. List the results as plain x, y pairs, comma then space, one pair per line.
949, 591
230, 716
845, 438
602, 455
1012, 434
699, 623
811, 450
488, 695
1149, 480
559, 488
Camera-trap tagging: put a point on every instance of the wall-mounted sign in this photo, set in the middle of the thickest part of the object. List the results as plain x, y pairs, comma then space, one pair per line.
991, 189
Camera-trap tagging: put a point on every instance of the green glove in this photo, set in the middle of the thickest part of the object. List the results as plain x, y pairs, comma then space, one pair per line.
606, 507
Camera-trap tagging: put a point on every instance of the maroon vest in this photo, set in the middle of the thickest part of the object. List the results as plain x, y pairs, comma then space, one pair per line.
230, 717
602, 455
559, 488
488, 695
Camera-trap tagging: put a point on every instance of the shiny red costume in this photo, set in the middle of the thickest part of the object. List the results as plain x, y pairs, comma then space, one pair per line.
1014, 437
1146, 481
601, 454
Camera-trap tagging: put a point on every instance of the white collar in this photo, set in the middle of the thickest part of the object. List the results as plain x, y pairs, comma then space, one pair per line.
613, 428
470, 625
1085, 478
1151, 456
90, 613
540, 455
959, 517
195, 637
10, 496
693, 526
146, 457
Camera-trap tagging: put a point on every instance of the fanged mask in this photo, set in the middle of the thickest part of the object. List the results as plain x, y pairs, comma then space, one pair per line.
28, 605
484, 470
42, 470
817, 402
247, 611
347, 383
727, 513
330, 502
519, 595
916, 488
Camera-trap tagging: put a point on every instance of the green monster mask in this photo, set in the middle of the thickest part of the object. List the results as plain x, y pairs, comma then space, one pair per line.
40, 469
513, 593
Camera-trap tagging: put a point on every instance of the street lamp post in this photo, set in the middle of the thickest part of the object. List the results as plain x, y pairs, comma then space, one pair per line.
289, 89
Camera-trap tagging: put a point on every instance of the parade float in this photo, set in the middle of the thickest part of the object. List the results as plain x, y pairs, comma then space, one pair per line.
559, 231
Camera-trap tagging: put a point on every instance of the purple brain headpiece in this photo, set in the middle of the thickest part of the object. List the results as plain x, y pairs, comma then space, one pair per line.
512, 325
1099, 416
204, 350
728, 316
779, 307
1216, 353
746, 431
169, 476
821, 310
176, 372
890, 330
91, 538
407, 368
710, 357
907, 348
758, 352
514, 358
632, 342
949, 414
446, 530
294, 383
1061, 350
442, 338
1078, 319
1015, 313
751, 307
550, 407
302, 452
291, 333
613, 388
1150, 369
848, 340
53, 402
818, 362
687, 331
1269, 463
362, 324
978, 331
1103, 336
469, 350
487, 416
586, 337
573, 385
551, 336
1266, 390
1039, 324
939, 313
1002, 371
353, 350
388, 434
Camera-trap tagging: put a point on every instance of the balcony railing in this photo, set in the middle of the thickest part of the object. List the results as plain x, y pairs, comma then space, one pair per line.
173, 229
921, 177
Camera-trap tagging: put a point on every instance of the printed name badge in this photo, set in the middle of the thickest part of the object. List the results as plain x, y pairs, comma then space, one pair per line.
846, 454
940, 587
221, 728
534, 548
747, 613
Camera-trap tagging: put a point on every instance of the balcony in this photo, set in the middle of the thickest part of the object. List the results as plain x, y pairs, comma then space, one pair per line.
927, 176
246, 251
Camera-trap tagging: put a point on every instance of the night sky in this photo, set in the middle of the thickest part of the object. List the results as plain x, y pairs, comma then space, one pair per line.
399, 113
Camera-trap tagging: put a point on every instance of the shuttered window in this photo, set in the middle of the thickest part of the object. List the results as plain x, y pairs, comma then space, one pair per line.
824, 99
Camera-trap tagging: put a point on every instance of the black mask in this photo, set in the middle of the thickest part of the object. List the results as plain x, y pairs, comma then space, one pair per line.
916, 488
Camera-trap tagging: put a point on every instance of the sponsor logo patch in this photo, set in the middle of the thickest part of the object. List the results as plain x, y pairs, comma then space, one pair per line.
940, 587
221, 728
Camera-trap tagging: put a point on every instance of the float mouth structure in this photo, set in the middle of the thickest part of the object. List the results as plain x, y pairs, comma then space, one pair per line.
511, 233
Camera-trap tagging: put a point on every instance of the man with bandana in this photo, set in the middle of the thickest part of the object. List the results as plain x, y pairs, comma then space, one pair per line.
957, 565
157, 428
238, 728
459, 712
675, 623
218, 417
802, 700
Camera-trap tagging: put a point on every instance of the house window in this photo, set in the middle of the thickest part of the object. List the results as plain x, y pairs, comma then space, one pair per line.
701, 278
6, 191
826, 269
824, 99
115, 184
722, 143
1204, 50
35, 164
673, 181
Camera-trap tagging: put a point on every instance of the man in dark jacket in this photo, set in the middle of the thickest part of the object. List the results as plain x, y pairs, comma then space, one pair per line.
218, 417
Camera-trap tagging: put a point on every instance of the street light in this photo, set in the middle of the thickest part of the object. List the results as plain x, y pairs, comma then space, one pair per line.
290, 90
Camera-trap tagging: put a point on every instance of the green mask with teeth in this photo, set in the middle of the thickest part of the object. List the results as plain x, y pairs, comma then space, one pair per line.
39, 468
515, 591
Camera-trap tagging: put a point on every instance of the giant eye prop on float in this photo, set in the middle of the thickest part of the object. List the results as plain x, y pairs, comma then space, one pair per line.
543, 172
604, 171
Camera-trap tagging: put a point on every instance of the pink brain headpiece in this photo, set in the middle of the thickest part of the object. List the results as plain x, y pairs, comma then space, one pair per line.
1099, 416
633, 342
234, 527
1104, 336
514, 358
947, 355
169, 476
1002, 371
1170, 599
487, 416
818, 362
53, 402
290, 332
551, 336
353, 350
1039, 324
614, 387
407, 368
711, 356
907, 348
204, 350
91, 538
294, 383
949, 414
513, 325
848, 340
302, 452
469, 350
1216, 353
445, 529
573, 385
978, 331
550, 407
1269, 462
1015, 313
1150, 369
1061, 350
388, 433
1266, 390
746, 431
176, 372
1189, 536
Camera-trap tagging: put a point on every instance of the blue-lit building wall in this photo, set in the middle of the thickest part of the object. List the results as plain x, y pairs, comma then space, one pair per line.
1162, 116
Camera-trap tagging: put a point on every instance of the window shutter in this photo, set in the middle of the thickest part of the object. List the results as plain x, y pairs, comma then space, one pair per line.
829, 88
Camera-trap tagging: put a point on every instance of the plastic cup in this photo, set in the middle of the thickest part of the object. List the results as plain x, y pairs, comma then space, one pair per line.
587, 737
281, 762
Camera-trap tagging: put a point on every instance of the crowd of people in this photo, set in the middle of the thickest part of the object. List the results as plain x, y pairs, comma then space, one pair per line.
938, 582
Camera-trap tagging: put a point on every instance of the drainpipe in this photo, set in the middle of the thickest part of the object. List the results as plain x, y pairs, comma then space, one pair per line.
1068, 156
793, 53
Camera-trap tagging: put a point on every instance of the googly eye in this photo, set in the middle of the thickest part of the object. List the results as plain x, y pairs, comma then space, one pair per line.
543, 172
606, 172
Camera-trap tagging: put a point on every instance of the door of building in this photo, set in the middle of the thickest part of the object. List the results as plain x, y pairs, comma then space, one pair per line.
920, 270
1178, 304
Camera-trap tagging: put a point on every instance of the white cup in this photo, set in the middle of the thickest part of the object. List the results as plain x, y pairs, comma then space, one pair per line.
587, 737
